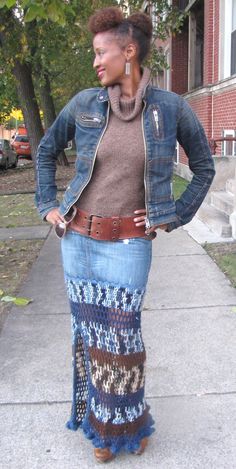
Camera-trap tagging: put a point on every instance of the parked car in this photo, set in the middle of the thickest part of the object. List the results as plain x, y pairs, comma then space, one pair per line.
21, 145
8, 157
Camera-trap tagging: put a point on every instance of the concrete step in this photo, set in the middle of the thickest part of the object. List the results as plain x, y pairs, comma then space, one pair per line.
216, 220
230, 186
223, 201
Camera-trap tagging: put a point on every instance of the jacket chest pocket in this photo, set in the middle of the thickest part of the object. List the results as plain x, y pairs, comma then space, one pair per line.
162, 126
157, 121
86, 119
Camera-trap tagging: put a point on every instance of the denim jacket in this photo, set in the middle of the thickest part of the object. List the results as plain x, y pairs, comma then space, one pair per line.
166, 117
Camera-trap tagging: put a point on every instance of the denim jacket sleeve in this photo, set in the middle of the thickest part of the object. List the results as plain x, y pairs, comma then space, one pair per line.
191, 136
53, 142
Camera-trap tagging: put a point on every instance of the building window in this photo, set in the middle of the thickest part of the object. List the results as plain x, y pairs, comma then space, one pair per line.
183, 4
233, 39
196, 45
229, 147
151, 9
228, 38
164, 76
167, 74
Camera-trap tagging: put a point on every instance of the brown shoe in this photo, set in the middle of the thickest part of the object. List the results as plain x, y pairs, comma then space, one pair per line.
142, 446
103, 454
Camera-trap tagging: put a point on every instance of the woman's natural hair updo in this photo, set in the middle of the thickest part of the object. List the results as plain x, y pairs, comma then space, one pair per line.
137, 27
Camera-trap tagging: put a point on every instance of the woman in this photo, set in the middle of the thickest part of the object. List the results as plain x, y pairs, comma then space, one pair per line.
125, 134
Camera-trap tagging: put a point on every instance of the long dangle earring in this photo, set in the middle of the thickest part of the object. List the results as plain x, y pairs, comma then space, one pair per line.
127, 68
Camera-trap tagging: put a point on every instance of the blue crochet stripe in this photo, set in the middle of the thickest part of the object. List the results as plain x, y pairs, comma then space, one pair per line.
101, 294
127, 342
117, 415
107, 316
99, 332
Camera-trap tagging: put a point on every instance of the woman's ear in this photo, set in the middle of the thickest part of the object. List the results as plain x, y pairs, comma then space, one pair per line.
131, 51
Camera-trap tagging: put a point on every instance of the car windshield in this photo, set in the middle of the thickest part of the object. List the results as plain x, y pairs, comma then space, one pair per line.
1, 144
21, 138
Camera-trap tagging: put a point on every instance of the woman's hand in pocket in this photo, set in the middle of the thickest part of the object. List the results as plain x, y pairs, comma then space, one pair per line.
140, 220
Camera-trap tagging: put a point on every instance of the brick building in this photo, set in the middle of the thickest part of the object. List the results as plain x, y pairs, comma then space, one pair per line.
203, 67
202, 60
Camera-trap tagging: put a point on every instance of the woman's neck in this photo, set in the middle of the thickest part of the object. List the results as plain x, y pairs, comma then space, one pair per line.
130, 84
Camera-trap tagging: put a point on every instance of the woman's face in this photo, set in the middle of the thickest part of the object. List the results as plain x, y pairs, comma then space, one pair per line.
110, 59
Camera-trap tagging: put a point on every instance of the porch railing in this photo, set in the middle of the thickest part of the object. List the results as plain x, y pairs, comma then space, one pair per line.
213, 142
213, 146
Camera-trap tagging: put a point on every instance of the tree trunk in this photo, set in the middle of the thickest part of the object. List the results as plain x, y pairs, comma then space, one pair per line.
46, 101
29, 105
49, 113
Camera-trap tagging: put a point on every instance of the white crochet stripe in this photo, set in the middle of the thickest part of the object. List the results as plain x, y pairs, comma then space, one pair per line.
85, 291
95, 335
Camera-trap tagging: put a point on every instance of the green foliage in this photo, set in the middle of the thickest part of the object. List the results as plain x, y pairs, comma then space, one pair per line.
167, 19
54, 10
8, 96
52, 36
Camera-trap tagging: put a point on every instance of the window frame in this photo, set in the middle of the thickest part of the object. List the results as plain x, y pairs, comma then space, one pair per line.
229, 133
225, 38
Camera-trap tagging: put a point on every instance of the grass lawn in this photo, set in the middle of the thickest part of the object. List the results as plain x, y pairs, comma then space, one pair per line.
16, 258
224, 254
179, 185
18, 210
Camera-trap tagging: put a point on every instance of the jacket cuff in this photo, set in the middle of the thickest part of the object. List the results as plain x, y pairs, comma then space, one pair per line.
173, 225
46, 208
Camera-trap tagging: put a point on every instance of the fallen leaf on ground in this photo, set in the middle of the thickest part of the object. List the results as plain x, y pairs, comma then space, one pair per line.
8, 298
18, 301
22, 301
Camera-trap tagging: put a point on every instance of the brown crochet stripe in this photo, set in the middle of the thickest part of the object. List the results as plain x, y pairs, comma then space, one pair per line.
128, 361
117, 380
115, 430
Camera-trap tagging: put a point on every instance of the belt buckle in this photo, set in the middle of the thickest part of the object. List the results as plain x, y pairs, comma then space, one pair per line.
94, 231
105, 230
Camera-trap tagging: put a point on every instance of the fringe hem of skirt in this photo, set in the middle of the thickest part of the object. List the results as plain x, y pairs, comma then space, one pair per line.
129, 443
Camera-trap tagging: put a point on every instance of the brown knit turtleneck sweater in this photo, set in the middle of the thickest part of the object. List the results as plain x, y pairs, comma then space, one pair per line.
117, 184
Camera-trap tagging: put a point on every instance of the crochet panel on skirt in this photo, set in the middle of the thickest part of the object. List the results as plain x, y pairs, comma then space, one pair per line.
108, 362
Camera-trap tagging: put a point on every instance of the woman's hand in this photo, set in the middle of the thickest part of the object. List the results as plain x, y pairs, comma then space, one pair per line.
140, 221
54, 216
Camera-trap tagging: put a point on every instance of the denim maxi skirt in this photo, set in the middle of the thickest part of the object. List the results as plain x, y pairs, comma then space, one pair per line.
106, 283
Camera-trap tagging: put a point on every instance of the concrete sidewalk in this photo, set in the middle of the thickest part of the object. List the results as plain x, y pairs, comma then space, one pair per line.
189, 328
25, 232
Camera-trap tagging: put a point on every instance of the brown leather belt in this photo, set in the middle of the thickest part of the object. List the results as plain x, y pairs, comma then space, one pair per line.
106, 228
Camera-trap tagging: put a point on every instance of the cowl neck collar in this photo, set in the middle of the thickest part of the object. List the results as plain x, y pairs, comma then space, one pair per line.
128, 109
